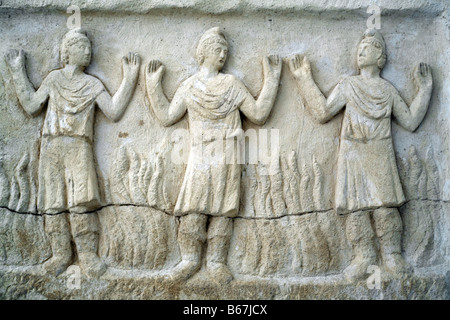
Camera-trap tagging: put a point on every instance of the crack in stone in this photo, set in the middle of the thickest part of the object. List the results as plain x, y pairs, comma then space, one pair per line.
237, 217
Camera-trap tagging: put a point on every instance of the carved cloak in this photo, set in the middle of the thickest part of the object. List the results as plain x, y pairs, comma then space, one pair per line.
211, 183
67, 175
367, 176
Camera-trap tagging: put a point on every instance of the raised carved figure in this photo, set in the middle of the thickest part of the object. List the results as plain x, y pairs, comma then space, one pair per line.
367, 177
67, 176
211, 186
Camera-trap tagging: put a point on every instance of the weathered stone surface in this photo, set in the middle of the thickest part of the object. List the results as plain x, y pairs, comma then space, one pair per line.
343, 189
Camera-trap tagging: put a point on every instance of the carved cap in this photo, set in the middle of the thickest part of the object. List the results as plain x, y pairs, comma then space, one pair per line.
75, 34
374, 37
373, 34
213, 35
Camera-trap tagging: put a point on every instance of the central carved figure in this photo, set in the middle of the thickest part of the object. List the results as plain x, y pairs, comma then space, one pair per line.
211, 185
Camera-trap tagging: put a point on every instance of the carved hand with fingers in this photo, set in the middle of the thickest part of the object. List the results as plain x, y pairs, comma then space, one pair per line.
422, 76
300, 66
272, 66
15, 59
131, 66
153, 73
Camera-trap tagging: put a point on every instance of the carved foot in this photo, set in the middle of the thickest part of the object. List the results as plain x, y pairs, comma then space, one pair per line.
396, 265
57, 265
184, 270
219, 272
91, 264
357, 270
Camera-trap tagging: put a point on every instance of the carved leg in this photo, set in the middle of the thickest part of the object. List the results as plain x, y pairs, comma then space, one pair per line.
388, 226
85, 233
191, 237
360, 233
58, 232
219, 235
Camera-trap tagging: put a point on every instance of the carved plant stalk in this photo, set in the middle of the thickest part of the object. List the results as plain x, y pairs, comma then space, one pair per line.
418, 178
403, 166
265, 189
119, 175
305, 191
154, 195
32, 169
135, 168
276, 190
294, 180
166, 197
434, 206
249, 185
14, 195
145, 175
287, 193
21, 175
318, 192
433, 176
259, 202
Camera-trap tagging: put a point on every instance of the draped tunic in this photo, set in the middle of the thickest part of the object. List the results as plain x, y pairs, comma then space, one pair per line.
67, 175
367, 175
211, 183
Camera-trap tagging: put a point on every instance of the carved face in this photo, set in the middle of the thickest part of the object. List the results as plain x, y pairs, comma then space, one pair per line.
216, 55
80, 53
368, 54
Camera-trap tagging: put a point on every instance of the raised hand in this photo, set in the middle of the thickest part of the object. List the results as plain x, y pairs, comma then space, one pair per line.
131, 66
153, 73
15, 59
300, 66
422, 76
272, 67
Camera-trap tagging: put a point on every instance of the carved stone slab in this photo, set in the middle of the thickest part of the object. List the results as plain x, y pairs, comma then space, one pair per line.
239, 150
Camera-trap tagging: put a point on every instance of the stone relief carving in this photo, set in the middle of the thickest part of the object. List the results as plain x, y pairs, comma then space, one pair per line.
367, 176
243, 221
67, 176
211, 185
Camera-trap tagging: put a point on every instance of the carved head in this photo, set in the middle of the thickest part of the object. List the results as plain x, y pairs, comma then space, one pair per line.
372, 49
76, 48
212, 48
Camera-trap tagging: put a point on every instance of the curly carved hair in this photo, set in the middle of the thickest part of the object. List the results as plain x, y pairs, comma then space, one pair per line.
69, 39
210, 37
